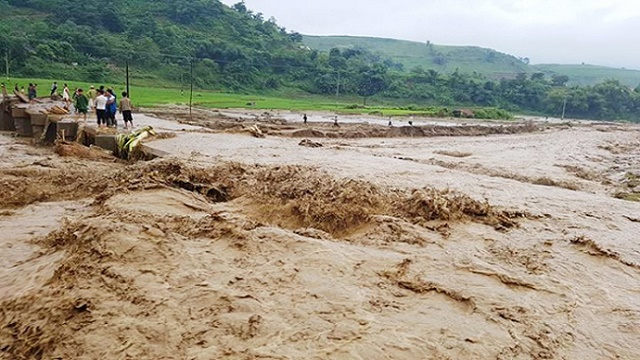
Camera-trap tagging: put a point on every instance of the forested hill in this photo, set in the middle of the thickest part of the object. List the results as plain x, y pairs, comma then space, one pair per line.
234, 48
469, 59
585, 74
91, 39
427, 55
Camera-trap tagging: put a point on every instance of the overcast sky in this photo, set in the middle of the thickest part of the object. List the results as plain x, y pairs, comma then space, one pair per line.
601, 32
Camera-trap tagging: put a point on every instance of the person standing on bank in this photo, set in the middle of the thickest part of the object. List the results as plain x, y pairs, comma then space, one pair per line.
101, 106
92, 94
81, 103
125, 110
107, 114
32, 93
112, 108
66, 95
304, 119
54, 88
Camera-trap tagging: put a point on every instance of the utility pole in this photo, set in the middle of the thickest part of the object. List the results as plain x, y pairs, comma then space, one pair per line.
564, 107
191, 93
6, 63
128, 92
338, 85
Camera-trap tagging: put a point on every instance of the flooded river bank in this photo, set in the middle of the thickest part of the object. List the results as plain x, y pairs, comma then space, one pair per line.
508, 246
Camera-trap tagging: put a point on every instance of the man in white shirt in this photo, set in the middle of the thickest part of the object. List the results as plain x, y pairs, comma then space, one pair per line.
101, 106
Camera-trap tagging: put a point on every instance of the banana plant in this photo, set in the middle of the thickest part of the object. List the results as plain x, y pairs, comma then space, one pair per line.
127, 143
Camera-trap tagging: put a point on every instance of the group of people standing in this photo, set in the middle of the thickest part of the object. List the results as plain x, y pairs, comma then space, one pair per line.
103, 101
32, 91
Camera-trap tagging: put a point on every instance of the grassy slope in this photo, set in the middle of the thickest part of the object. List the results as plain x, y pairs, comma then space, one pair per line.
412, 54
469, 59
591, 74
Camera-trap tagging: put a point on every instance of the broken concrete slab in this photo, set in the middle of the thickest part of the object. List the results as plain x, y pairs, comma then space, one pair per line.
37, 131
107, 142
5, 118
21, 96
19, 110
69, 129
23, 126
153, 152
37, 117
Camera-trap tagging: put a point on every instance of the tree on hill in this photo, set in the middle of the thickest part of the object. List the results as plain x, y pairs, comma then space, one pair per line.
559, 80
372, 80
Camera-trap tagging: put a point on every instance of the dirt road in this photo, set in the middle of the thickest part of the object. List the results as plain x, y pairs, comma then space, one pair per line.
493, 247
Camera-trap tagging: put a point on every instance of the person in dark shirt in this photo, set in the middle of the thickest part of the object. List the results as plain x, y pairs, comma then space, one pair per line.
81, 103
112, 108
32, 92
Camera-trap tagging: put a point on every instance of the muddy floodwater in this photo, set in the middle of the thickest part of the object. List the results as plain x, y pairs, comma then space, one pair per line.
490, 241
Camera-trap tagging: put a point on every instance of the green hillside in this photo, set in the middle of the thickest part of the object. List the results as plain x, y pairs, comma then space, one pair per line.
591, 74
469, 59
231, 46
441, 58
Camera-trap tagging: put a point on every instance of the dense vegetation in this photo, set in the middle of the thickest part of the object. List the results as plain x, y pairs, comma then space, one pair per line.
584, 74
93, 40
233, 48
470, 59
444, 59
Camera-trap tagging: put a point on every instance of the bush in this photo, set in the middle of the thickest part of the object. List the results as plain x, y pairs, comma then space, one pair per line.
492, 113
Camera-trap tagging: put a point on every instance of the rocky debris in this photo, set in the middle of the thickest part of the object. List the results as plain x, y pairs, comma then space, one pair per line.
310, 143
